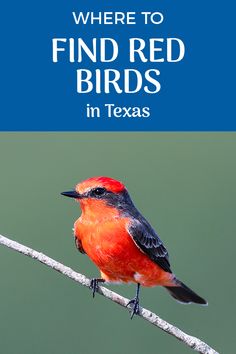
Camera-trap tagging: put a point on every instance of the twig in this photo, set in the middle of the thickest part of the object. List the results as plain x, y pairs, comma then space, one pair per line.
147, 315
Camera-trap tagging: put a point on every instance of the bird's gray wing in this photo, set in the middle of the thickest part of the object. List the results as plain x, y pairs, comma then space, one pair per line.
149, 242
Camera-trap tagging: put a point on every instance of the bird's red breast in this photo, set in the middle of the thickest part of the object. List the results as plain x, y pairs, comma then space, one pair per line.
103, 234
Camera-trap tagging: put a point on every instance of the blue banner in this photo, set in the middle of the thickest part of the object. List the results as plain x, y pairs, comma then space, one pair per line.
123, 66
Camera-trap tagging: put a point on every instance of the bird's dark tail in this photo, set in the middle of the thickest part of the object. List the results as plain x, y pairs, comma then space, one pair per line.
184, 294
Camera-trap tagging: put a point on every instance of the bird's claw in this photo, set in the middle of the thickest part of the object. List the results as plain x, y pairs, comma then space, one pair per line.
94, 286
135, 307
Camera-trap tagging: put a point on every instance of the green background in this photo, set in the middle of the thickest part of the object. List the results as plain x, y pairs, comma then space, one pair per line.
183, 183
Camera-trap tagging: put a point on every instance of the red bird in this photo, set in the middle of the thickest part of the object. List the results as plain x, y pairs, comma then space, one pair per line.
121, 242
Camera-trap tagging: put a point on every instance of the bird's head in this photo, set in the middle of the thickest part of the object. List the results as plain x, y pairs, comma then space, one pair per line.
97, 192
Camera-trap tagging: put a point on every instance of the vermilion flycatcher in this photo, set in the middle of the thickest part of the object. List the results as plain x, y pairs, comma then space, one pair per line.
121, 242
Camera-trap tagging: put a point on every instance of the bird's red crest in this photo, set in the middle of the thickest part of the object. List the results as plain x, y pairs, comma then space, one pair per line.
106, 182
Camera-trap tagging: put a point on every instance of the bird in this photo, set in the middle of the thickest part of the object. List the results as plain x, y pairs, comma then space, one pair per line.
122, 243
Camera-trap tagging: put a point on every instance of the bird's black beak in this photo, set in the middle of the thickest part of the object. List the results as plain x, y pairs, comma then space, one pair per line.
71, 194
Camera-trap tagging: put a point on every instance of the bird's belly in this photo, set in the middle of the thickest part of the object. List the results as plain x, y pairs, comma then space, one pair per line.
114, 252
109, 248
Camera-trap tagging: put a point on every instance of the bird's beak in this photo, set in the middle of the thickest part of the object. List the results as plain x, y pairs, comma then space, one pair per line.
71, 194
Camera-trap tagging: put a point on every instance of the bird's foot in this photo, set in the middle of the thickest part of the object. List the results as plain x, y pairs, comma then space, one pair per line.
135, 303
94, 284
135, 307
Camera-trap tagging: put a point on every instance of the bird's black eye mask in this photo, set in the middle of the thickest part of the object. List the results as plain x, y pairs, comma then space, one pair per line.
121, 200
101, 193
98, 193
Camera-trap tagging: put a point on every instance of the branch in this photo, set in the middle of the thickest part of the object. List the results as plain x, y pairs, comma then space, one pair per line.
147, 315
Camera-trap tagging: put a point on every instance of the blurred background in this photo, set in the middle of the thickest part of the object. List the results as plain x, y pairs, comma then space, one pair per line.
185, 186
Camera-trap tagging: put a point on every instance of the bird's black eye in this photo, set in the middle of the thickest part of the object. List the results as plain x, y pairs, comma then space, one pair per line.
97, 192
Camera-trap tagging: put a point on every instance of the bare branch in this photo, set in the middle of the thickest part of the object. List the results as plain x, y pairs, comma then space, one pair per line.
147, 315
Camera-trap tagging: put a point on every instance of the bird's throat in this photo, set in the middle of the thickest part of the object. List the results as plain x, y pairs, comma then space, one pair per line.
97, 211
